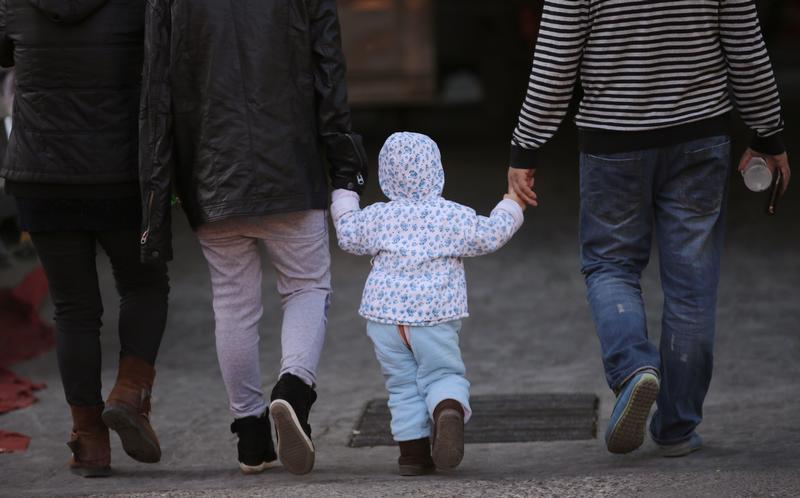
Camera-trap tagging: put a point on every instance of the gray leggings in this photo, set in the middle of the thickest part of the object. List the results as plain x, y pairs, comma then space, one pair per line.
297, 245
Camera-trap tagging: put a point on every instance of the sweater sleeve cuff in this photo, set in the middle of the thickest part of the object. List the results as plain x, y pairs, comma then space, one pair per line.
343, 201
522, 158
514, 210
771, 145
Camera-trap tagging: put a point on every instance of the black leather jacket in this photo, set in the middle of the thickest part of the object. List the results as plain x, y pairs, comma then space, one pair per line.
241, 103
76, 107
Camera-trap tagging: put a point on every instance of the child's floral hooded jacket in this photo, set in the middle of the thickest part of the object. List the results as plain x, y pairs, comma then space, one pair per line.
418, 238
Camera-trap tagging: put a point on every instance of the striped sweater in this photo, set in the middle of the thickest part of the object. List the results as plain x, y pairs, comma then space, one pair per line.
652, 72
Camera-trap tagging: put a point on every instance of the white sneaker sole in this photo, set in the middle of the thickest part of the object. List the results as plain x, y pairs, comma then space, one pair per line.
250, 469
295, 449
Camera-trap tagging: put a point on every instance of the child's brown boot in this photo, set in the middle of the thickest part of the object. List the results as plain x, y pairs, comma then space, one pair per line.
415, 457
448, 434
91, 450
128, 410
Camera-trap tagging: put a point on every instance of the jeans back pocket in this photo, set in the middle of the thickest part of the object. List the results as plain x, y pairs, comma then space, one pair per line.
611, 186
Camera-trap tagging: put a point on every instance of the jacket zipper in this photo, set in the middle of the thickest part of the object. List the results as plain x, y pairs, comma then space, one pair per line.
146, 233
362, 159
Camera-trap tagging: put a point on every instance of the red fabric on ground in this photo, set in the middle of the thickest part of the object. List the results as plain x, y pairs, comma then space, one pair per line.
16, 392
23, 335
13, 441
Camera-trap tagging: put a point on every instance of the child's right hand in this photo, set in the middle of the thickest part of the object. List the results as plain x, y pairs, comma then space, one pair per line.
516, 198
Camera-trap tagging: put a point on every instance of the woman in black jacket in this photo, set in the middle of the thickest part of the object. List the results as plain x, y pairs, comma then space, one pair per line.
72, 166
243, 102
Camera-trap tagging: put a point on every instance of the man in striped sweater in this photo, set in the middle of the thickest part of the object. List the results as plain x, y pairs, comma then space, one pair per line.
660, 79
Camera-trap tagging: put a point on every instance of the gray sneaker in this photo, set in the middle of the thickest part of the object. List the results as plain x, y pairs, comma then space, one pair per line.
694, 443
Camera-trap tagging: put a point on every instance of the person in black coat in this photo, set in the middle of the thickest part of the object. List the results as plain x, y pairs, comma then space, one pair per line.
244, 104
72, 166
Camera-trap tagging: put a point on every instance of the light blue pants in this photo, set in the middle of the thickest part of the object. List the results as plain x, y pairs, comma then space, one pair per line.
422, 367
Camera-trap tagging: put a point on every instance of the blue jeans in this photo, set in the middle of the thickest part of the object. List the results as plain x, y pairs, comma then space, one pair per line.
422, 367
679, 194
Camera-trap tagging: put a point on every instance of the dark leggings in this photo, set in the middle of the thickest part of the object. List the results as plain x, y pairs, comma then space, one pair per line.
69, 262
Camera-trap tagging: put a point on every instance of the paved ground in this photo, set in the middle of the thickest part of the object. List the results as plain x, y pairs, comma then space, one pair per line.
530, 331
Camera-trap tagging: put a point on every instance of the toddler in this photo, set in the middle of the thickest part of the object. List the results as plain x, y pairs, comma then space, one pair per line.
416, 296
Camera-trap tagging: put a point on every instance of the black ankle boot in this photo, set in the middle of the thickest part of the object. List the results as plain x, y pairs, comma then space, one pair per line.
256, 452
291, 403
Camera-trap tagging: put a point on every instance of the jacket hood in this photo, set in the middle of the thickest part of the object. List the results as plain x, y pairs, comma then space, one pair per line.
410, 167
68, 11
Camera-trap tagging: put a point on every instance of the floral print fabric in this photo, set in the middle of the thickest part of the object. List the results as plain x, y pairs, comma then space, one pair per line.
417, 239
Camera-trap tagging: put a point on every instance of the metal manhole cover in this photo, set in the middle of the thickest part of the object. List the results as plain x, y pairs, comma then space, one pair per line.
500, 419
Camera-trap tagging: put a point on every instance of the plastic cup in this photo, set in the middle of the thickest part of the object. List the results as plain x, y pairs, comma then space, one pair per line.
757, 177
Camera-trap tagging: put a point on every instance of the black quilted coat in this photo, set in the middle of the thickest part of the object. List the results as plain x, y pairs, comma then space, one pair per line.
78, 83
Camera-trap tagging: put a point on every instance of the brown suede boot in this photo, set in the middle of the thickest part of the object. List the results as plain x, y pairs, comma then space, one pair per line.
415, 457
91, 449
128, 410
448, 434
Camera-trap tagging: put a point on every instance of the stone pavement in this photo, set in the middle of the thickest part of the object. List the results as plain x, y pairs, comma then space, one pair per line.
530, 332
